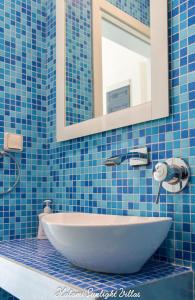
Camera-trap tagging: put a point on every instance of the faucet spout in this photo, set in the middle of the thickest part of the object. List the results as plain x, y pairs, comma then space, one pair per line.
141, 157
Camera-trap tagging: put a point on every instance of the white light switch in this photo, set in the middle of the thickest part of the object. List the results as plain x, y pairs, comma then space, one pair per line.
13, 142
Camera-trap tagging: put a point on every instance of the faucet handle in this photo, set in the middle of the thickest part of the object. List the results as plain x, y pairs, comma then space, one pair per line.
160, 172
158, 195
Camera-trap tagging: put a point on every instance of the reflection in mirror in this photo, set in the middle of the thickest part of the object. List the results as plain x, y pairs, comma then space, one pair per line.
126, 67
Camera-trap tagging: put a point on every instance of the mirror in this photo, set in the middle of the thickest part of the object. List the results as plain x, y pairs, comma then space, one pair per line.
126, 67
122, 77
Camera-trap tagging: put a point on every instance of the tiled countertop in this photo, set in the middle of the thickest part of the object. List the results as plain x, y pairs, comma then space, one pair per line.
41, 256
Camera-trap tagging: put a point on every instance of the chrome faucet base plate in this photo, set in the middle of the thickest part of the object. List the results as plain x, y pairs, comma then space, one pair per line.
180, 185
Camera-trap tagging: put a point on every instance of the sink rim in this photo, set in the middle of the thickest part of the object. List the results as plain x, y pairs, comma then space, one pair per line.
135, 220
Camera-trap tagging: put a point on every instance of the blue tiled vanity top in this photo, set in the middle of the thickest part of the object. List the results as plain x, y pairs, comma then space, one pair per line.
41, 256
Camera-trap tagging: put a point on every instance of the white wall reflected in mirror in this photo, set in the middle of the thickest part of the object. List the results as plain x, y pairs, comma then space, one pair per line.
126, 68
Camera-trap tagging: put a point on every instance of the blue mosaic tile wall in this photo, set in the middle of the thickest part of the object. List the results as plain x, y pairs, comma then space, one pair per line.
79, 106
72, 173
23, 110
139, 9
80, 182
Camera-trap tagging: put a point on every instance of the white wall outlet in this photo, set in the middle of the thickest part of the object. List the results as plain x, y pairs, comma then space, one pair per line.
13, 142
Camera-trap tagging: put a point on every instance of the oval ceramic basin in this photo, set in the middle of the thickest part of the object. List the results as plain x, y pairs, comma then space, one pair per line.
105, 243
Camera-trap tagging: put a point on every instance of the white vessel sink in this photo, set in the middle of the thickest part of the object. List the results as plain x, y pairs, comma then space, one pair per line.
105, 243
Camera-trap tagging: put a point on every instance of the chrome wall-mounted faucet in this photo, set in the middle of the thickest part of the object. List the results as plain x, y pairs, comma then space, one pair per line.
173, 175
138, 157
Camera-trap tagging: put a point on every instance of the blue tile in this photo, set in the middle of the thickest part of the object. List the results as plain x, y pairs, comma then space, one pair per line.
41, 256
